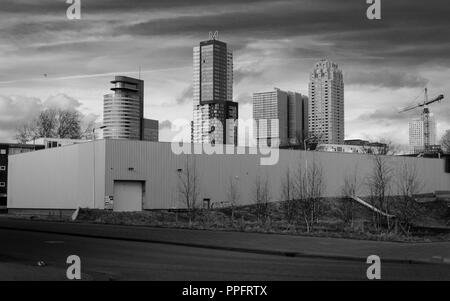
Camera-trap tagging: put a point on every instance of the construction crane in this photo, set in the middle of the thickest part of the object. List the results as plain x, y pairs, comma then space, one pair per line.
425, 116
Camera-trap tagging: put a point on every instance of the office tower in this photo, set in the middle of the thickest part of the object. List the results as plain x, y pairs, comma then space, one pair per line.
417, 134
213, 94
291, 111
123, 112
326, 103
298, 118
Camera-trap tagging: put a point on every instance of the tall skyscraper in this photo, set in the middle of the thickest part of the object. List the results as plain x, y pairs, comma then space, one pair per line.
213, 94
417, 134
291, 111
123, 112
326, 103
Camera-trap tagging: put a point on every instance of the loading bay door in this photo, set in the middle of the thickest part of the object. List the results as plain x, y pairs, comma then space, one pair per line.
127, 196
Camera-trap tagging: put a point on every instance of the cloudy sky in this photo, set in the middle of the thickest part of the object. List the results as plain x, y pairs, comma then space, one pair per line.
386, 63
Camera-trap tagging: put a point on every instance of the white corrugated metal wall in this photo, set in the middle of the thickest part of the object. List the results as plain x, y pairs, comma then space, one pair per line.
61, 178
57, 178
157, 165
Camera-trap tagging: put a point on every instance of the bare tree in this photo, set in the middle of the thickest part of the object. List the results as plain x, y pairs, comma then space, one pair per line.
262, 198
68, 125
47, 123
26, 133
88, 131
188, 186
346, 207
288, 194
315, 189
379, 183
309, 188
52, 123
408, 184
233, 195
445, 141
389, 148
302, 205
312, 139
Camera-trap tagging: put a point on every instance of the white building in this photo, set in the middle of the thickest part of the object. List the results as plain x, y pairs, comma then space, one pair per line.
346, 148
141, 175
326, 103
417, 134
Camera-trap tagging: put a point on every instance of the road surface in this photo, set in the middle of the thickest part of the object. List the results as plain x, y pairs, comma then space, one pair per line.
109, 259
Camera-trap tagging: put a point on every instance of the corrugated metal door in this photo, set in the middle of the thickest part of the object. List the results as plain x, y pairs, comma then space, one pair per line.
127, 196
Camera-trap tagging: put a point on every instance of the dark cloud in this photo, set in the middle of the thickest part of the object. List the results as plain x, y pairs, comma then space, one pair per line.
408, 48
99, 6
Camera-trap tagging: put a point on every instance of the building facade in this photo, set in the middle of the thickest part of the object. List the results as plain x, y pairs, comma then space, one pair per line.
56, 142
214, 112
150, 130
297, 118
281, 118
417, 134
375, 148
123, 111
326, 103
141, 175
6, 150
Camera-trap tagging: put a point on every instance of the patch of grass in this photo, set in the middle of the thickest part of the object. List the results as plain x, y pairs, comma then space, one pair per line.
245, 220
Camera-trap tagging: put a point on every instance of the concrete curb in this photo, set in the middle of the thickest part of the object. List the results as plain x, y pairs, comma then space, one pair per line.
231, 249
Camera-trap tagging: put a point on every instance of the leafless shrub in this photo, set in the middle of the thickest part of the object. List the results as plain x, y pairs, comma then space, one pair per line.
261, 198
407, 184
346, 208
288, 195
379, 183
309, 187
188, 186
233, 195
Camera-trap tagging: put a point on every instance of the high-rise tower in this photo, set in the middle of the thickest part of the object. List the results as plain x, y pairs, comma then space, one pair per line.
123, 112
214, 112
326, 103
417, 137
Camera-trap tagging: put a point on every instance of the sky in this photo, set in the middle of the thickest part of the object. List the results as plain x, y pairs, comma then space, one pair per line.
48, 60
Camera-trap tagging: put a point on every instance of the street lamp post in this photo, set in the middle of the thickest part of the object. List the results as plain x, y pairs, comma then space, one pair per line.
93, 163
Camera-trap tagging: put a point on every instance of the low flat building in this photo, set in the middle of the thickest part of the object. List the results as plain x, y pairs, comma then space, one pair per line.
6, 150
56, 142
355, 146
127, 175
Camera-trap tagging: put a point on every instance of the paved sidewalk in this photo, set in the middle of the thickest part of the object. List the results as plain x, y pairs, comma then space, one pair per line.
276, 244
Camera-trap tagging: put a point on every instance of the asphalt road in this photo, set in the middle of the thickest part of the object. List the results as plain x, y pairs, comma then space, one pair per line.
109, 259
